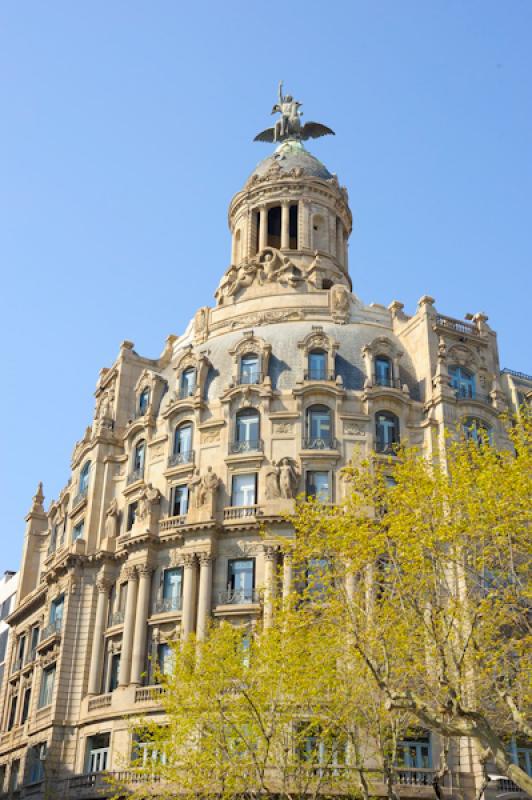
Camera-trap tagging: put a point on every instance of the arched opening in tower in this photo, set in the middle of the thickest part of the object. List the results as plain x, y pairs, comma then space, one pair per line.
274, 227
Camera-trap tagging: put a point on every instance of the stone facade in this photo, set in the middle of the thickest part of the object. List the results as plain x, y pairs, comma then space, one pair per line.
267, 394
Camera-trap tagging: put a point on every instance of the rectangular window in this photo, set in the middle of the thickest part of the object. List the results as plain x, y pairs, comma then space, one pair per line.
77, 531
47, 686
114, 672
179, 501
244, 490
241, 579
173, 583
25, 706
3, 644
21, 650
131, 515
319, 486
56, 611
5, 608
37, 758
12, 712
14, 777
98, 752
165, 658
34, 641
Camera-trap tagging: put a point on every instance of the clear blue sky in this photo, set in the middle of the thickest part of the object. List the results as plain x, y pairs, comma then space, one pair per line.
127, 127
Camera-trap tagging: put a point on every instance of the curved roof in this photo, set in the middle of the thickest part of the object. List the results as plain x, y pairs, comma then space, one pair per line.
292, 155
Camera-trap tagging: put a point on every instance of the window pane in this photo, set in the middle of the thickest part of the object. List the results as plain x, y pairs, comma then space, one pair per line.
243, 490
77, 532
249, 369
183, 439
317, 365
319, 485
247, 427
180, 505
172, 583
241, 573
188, 382
319, 424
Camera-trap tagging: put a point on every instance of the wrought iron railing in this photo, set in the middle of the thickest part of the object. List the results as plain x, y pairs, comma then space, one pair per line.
239, 512
516, 374
246, 446
387, 448
135, 475
234, 597
319, 443
468, 393
166, 604
317, 374
186, 391
185, 457
51, 629
250, 377
387, 381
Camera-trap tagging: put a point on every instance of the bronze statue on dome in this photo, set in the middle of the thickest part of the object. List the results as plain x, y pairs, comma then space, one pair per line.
289, 125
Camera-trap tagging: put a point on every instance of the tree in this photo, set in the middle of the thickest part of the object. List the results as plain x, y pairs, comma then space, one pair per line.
429, 574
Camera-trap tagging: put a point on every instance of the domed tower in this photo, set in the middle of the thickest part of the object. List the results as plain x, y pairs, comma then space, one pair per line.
291, 222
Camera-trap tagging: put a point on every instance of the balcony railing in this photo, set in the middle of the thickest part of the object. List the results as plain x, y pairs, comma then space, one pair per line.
386, 448
135, 475
80, 497
148, 694
250, 377
185, 457
319, 443
167, 604
101, 701
51, 629
468, 393
247, 446
116, 618
170, 523
239, 512
516, 374
318, 375
415, 776
186, 391
387, 381
232, 597
457, 325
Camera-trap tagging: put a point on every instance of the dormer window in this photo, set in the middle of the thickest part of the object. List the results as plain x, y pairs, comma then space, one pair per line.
383, 371
249, 368
144, 401
187, 383
463, 382
317, 365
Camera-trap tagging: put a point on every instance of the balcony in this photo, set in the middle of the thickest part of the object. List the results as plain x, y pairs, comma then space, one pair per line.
52, 629
186, 391
101, 701
232, 597
319, 443
135, 475
167, 604
386, 448
387, 381
80, 497
241, 512
148, 694
318, 375
250, 378
170, 523
116, 618
415, 776
468, 393
177, 459
247, 446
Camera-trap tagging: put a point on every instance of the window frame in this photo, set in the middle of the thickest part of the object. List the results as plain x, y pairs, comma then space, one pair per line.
237, 476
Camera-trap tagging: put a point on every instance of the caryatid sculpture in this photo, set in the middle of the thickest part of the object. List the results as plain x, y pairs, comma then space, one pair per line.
289, 125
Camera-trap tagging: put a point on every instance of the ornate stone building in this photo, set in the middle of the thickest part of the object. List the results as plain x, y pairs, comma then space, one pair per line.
265, 395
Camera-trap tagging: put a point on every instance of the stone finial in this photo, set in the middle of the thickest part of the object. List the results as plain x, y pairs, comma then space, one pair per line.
38, 500
426, 300
396, 308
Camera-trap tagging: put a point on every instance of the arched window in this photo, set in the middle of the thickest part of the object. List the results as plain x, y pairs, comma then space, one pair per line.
247, 431
188, 382
477, 430
463, 382
319, 428
383, 371
386, 432
293, 227
139, 455
84, 479
317, 365
182, 444
249, 368
144, 400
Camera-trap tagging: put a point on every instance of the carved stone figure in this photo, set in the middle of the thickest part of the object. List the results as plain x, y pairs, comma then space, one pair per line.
209, 484
148, 498
111, 519
289, 125
340, 303
288, 478
193, 488
272, 482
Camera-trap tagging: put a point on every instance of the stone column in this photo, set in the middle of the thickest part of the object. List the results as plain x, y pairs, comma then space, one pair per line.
141, 624
287, 577
189, 592
263, 228
285, 226
95, 673
204, 594
270, 558
129, 626
339, 242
